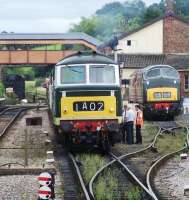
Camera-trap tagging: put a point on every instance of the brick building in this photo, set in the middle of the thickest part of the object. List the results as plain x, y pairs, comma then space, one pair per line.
175, 35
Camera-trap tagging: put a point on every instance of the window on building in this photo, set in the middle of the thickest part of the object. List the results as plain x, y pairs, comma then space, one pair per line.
186, 82
128, 42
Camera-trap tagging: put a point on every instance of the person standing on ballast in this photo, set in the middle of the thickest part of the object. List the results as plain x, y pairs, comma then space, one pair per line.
130, 118
138, 123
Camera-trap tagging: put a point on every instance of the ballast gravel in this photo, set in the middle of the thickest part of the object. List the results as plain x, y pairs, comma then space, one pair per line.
18, 187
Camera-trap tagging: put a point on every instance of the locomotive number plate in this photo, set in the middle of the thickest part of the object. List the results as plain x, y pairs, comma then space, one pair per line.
88, 106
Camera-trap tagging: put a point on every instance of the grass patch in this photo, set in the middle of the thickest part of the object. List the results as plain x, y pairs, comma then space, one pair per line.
167, 143
106, 187
31, 88
135, 193
90, 164
148, 133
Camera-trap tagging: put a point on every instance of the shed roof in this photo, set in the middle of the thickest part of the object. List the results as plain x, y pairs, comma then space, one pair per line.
178, 61
141, 60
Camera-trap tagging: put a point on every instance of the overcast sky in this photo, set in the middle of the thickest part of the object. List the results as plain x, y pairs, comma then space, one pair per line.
47, 16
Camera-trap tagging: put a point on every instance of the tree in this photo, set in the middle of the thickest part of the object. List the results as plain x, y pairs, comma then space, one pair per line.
121, 17
152, 12
182, 8
111, 9
87, 25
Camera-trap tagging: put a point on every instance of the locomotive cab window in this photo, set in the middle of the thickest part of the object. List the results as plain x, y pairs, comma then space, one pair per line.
153, 73
102, 74
73, 75
168, 72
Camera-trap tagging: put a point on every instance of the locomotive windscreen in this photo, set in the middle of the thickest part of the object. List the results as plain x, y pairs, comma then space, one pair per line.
73, 74
102, 74
153, 73
162, 71
169, 72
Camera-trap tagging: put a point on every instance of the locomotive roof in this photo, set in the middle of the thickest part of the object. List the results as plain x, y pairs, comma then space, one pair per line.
85, 58
155, 66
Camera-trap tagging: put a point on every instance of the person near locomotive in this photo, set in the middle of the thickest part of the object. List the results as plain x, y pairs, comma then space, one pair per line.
138, 124
129, 119
124, 127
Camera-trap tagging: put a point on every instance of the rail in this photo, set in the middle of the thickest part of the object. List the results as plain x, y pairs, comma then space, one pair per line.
85, 191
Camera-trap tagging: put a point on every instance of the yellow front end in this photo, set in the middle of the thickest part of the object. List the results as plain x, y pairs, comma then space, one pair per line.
108, 111
162, 94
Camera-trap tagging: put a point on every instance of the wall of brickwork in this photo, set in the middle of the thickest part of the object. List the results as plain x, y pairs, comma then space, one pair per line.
176, 35
184, 93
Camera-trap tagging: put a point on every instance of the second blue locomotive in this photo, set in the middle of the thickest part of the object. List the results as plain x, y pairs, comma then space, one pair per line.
157, 89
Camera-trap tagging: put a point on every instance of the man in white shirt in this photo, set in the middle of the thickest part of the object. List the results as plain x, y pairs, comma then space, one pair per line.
130, 118
124, 129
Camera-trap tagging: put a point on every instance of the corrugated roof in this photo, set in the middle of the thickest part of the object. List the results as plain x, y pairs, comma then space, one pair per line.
50, 36
141, 60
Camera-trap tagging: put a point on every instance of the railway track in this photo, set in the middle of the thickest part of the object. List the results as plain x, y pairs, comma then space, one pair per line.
128, 183
164, 175
8, 117
139, 162
65, 166
10, 114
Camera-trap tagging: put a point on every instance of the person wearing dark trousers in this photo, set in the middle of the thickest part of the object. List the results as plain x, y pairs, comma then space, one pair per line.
124, 125
130, 117
138, 123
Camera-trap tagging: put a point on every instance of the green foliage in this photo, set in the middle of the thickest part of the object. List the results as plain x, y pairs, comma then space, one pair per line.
39, 81
90, 164
182, 8
106, 186
111, 9
87, 25
26, 72
2, 89
134, 194
119, 17
152, 12
30, 87
12, 99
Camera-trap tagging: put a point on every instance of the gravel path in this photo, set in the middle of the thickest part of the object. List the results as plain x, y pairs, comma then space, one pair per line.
174, 177
16, 187
25, 187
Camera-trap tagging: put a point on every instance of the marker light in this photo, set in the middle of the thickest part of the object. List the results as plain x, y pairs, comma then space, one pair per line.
65, 110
